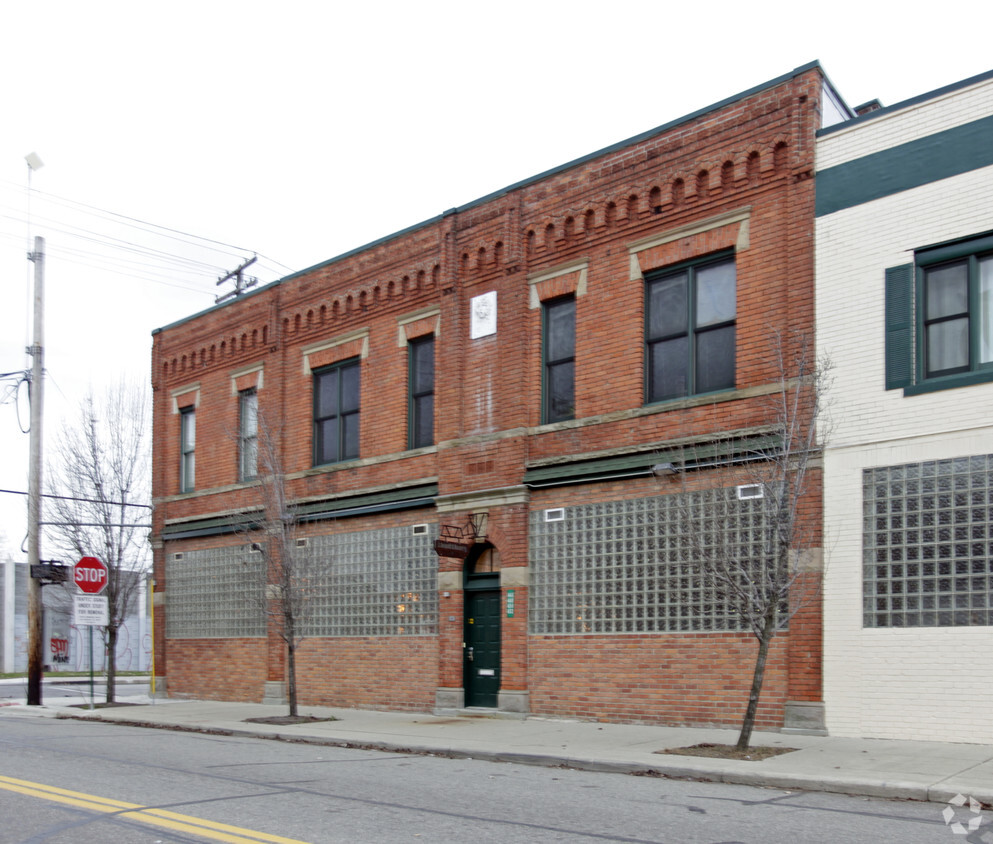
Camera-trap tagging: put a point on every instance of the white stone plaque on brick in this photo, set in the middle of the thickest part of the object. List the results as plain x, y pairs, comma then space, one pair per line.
483, 315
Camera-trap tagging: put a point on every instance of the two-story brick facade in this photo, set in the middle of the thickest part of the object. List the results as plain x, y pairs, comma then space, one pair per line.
527, 358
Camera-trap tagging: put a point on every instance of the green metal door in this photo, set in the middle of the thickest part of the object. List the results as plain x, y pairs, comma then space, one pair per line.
481, 655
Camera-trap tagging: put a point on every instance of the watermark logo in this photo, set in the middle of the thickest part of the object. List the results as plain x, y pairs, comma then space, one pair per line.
954, 810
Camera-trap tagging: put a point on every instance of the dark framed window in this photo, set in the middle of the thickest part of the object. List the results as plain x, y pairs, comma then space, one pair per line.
690, 323
420, 379
939, 317
248, 435
559, 359
187, 449
336, 413
958, 316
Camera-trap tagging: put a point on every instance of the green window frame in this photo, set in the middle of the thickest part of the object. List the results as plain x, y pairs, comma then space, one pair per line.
691, 316
939, 317
248, 435
187, 448
558, 351
336, 412
420, 398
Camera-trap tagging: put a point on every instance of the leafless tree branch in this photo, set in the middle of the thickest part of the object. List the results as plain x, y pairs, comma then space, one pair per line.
750, 549
100, 465
289, 570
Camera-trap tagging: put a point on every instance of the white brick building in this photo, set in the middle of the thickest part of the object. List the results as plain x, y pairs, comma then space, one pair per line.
904, 305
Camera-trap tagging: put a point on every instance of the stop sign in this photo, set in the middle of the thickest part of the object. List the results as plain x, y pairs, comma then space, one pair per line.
90, 575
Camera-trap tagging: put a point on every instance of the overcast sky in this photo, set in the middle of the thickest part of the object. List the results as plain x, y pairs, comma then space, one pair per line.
299, 131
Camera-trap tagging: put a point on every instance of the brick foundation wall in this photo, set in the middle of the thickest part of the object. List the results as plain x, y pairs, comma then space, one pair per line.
217, 669
372, 673
677, 680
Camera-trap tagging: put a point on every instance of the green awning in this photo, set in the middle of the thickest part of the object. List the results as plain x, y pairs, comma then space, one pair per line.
404, 498
640, 463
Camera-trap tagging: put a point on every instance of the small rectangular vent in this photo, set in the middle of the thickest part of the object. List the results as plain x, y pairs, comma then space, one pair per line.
750, 491
178, 556
556, 515
419, 530
301, 543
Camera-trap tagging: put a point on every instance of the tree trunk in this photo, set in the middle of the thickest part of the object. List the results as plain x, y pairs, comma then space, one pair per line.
111, 663
291, 679
758, 676
290, 636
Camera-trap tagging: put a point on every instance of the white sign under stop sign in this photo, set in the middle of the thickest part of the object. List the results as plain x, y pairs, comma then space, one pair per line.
90, 575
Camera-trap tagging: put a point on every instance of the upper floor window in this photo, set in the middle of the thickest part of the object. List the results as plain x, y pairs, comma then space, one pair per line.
420, 379
187, 449
690, 315
957, 316
248, 435
336, 412
948, 292
559, 359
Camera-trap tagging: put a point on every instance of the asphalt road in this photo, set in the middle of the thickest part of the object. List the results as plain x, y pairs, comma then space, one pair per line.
66, 781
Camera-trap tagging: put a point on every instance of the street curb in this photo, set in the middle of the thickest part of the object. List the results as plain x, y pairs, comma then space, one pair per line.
894, 790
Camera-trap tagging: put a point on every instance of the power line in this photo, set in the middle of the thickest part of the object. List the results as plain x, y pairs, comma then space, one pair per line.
86, 500
139, 223
123, 268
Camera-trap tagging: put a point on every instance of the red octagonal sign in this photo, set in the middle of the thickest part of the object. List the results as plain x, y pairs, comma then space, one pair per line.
90, 575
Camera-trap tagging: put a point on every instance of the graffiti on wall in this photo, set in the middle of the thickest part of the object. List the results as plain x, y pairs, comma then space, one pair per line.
60, 650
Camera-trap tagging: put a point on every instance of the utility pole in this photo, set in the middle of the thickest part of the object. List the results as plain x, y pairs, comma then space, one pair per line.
36, 393
240, 284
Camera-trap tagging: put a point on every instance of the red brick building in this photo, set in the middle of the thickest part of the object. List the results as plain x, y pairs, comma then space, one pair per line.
513, 369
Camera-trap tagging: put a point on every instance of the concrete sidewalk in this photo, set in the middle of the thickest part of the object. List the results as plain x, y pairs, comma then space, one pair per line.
914, 770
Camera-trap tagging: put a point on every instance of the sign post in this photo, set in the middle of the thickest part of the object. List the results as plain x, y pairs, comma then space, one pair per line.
90, 608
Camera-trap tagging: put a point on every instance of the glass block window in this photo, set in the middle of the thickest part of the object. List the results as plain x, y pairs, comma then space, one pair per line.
214, 594
374, 583
633, 566
927, 544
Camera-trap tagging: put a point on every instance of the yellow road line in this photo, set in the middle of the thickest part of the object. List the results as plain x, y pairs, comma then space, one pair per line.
134, 811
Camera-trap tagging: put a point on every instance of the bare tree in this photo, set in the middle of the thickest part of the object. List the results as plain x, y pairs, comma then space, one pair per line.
100, 475
751, 538
288, 570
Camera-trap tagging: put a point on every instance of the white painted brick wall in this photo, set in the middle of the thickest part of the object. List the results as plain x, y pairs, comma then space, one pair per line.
921, 683
889, 130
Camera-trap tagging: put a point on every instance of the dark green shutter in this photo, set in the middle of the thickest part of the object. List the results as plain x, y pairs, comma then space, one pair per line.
899, 326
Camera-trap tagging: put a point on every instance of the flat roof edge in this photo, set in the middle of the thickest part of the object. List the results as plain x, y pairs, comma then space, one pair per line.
912, 101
